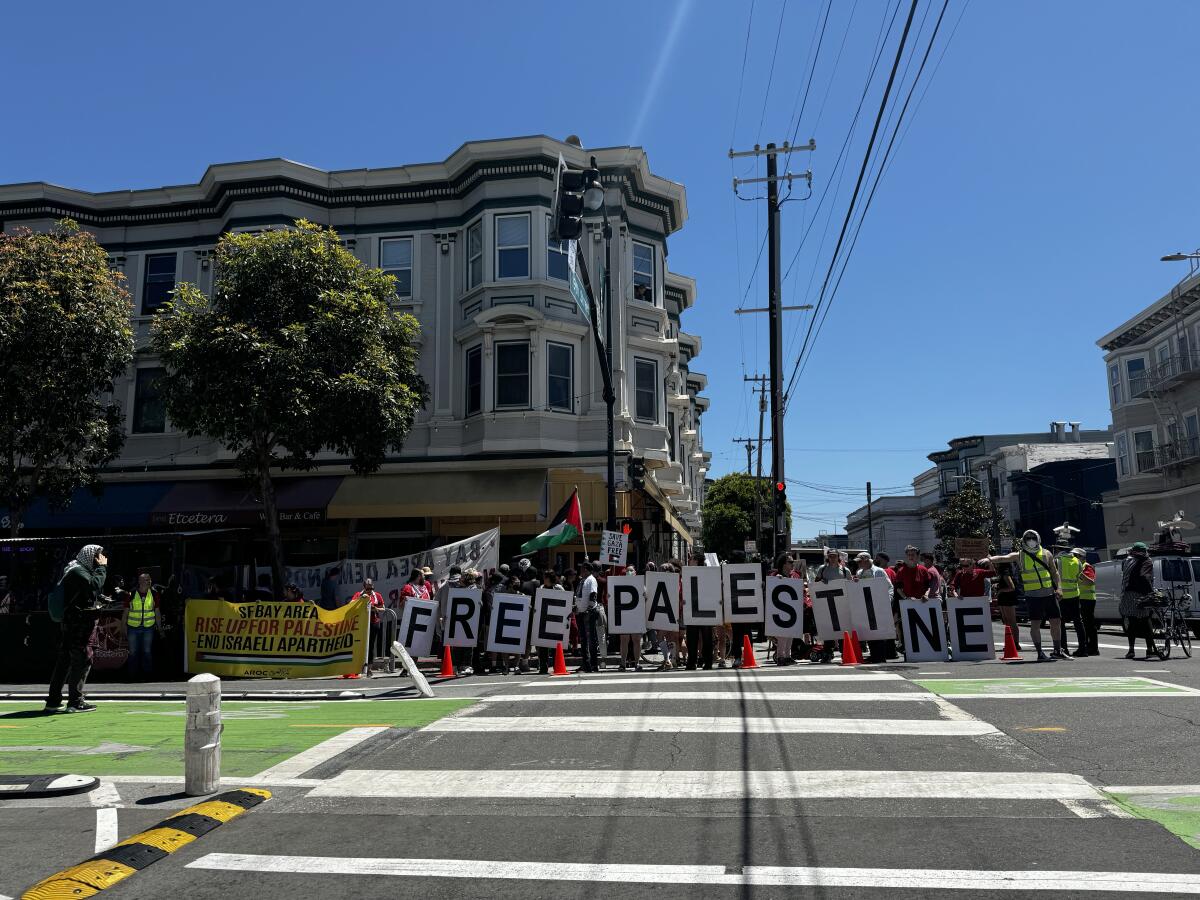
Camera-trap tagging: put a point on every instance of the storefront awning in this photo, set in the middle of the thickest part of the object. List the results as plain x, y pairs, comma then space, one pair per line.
487, 494
232, 501
121, 505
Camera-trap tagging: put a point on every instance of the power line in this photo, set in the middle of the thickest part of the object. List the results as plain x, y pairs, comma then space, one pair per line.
858, 183
771, 72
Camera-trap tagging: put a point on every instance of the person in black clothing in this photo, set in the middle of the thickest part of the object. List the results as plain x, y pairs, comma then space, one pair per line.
82, 582
1137, 583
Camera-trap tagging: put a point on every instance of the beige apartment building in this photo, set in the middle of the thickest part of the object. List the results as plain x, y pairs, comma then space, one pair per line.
515, 419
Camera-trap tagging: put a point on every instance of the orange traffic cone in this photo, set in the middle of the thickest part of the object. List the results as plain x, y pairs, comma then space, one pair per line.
748, 660
858, 657
447, 664
1010, 644
560, 661
848, 658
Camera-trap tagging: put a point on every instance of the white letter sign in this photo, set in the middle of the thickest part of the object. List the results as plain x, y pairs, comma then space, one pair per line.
701, 595
871, 610
510, 622
462, 616
551, 617
662, 601
626, 609
971, 628
416, 627
785, 607
743, 592
924, 637
831, 608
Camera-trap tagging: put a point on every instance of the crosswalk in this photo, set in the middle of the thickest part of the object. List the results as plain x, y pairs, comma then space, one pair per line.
775, 779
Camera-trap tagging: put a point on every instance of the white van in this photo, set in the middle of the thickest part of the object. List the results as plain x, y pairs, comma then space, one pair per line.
1169, 571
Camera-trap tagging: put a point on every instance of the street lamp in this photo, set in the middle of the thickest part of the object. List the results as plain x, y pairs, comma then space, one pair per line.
1180, 257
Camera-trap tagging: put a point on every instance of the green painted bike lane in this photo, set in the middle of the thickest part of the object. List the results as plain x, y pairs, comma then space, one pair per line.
146, 738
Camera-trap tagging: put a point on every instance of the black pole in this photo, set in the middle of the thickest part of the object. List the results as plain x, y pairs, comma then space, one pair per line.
783, 527
870, 525
610, 398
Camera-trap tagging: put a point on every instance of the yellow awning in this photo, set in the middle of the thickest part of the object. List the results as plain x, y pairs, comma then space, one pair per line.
514, 492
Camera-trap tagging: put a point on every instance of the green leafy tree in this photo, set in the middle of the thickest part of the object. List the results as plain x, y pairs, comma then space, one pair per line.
728, 513
64, 337
298, 352
969, 515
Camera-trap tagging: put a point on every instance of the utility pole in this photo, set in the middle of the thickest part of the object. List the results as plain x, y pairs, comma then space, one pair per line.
870, 525
761, 390
774, 310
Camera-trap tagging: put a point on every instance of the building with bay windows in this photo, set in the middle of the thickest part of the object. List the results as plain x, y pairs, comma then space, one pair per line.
515, 419
1152, 363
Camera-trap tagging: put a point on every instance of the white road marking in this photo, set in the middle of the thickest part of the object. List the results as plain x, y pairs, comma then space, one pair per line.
1082, 810
700, 785
252, 781
1073, 695
1177, 687
297, 765
105, 794
934, 673
106, 828
687, 696
1152, 671
1181, 789
773, 876
714, 725
666, 680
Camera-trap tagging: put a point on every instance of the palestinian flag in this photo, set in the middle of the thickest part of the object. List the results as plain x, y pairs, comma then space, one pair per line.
566, 526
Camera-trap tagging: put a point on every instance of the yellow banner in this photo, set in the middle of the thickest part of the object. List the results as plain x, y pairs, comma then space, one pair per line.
275, 640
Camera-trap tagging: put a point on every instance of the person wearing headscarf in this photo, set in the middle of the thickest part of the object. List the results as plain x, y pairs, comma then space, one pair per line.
82, 582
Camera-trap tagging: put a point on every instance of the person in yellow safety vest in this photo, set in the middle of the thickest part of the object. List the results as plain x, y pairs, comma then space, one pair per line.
1039, 578
141, 623
1069, 568
1087, 604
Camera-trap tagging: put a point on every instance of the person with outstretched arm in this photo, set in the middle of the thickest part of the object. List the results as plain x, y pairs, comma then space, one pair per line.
1039, 578
82, 584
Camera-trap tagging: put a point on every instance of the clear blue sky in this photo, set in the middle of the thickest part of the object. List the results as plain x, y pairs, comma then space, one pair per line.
1050, 164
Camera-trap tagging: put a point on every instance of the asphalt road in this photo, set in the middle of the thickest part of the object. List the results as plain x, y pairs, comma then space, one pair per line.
983, 779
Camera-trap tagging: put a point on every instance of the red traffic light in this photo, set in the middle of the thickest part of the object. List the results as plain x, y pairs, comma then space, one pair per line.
779, 486
627, 528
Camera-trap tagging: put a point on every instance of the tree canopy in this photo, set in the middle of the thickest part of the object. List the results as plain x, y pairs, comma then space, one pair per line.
65, 335
968, 514
298, 352
728, 513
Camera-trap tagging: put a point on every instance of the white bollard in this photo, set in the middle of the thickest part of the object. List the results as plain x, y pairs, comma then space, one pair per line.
202, 736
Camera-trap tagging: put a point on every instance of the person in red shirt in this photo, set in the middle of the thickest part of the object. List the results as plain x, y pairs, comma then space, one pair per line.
969, 580
1087, 605
913, 578
375, 641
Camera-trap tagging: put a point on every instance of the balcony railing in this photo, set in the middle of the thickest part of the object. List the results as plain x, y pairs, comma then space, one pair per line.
1167, 375
1175, 454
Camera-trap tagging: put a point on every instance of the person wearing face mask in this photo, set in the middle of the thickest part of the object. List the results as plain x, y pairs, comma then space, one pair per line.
1039, 578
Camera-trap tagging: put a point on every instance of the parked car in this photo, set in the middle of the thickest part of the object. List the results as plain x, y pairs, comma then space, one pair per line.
1170, 572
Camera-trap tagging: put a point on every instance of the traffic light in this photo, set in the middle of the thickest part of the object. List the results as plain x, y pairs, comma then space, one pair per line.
783, 529
569, 200
637, 473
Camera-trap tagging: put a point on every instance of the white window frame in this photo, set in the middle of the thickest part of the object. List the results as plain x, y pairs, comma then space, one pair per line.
1129, 376
1124, 466
528, 246
1116, 390
496, 375
1133, 434
476, 351
638, 361
470, 258
1194, 415
570, 348
412, 263
145, 270
556, 248
653, 268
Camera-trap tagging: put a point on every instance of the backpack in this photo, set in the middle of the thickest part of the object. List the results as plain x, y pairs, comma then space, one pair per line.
56, 601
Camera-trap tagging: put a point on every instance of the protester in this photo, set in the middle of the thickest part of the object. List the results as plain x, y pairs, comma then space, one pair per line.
81, 584
571, 583
1069, 567
485, 662
937, 582
587, 613
141, 625
969, 580
1087, 603
1006, 599
1137, 584
882, 649
551, 583
375, 643
1039, 579
830, 570
785, 567
414, 589
293, 594
667, 641
329, 589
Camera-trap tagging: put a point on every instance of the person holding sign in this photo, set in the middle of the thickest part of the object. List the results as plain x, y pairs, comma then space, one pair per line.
831, 570
885, 649
587, 614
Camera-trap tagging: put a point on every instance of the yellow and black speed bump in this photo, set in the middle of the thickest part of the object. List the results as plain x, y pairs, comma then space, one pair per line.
132, 855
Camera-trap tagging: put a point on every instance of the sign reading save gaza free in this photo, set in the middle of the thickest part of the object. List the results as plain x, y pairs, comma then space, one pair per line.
274, 640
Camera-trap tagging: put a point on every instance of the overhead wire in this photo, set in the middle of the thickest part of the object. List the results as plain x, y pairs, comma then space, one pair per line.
858, 185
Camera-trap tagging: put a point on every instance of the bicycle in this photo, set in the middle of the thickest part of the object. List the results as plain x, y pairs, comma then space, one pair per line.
1168, 621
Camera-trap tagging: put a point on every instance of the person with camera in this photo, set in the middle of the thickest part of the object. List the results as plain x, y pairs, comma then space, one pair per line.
82, 584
